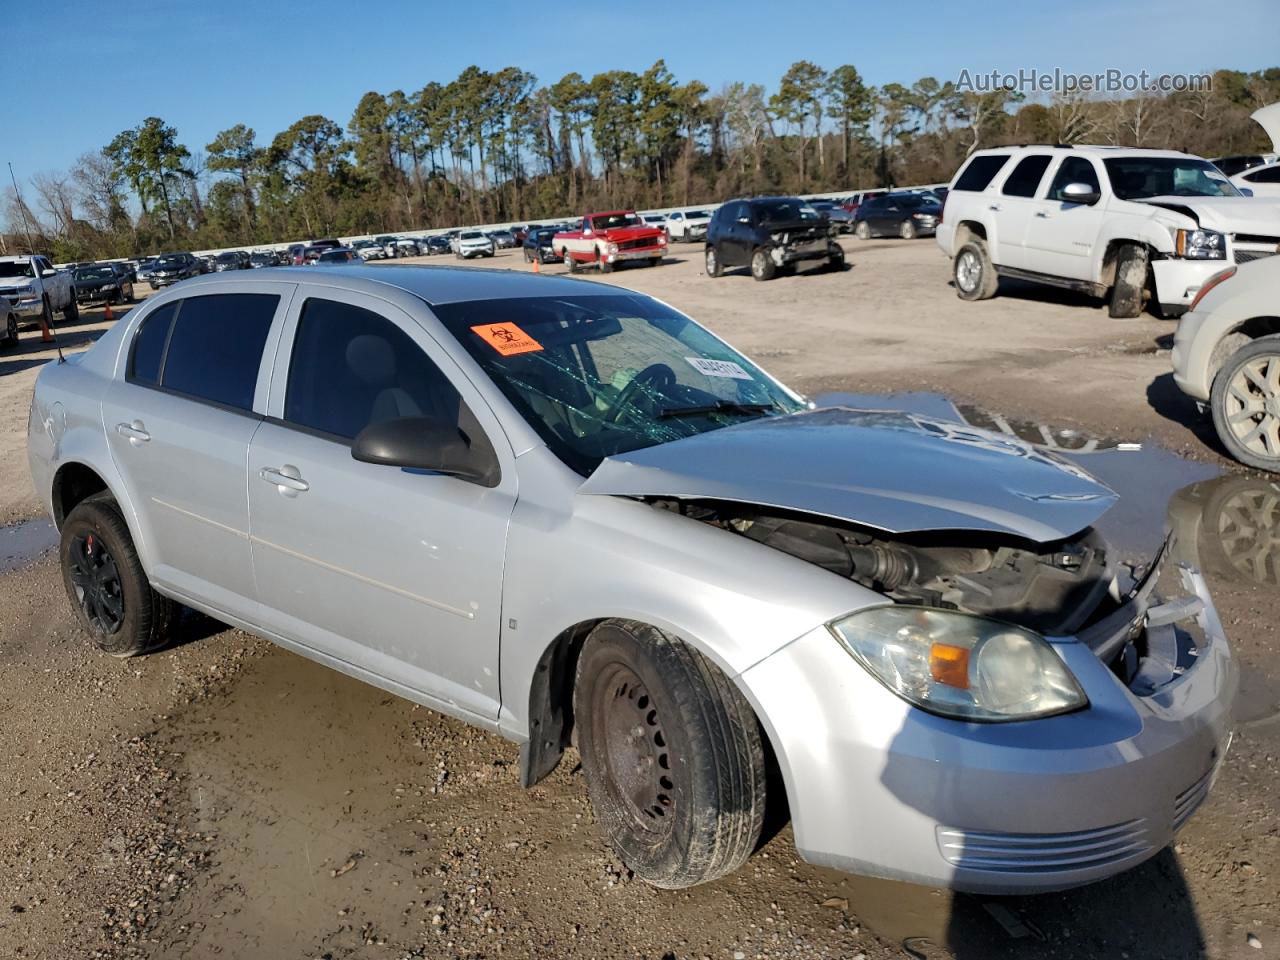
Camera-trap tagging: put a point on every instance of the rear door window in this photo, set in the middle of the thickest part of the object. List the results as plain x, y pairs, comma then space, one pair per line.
980, 172
215, 347
1026, 176
148, 345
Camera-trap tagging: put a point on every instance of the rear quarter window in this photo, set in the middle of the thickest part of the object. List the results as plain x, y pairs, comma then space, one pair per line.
980, 171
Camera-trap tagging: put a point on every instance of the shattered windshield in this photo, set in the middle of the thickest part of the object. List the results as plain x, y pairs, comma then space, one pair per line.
601, 375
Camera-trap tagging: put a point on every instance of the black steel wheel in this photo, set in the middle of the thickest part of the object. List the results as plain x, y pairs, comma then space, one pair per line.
673, 755
105, 582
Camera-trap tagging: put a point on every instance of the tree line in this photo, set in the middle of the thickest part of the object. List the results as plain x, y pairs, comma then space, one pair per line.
498, 146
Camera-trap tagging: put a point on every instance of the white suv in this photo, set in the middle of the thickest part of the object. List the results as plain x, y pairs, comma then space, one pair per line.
1114, 222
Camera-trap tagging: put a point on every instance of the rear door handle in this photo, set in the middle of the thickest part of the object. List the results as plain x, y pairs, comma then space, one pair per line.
136, 432
287, 479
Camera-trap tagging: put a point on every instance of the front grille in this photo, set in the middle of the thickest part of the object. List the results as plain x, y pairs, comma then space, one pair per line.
1030, 853
1257, 238
637, 244
1188, 801
1244, 256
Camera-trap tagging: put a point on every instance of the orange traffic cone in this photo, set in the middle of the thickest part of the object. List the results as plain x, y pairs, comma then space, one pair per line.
106, 312
45, 335
537, 265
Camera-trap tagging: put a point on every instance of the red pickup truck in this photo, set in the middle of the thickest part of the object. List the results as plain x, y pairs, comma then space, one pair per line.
609, 239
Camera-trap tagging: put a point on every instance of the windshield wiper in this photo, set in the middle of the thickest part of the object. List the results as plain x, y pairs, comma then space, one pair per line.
720, 406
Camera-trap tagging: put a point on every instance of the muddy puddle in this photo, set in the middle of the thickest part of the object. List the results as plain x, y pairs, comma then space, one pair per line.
345, 820
25, 543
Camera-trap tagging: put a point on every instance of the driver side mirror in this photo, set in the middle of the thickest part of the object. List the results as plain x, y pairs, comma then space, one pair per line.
1080, 193
48, 273
426, 443
746, 220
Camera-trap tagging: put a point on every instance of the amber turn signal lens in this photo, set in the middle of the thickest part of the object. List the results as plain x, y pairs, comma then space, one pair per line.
950, 665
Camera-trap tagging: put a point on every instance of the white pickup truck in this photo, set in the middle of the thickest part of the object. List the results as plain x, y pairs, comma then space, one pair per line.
35, 289
1119, 222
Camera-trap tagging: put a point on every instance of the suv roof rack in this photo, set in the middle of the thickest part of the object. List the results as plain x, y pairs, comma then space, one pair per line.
1055, 146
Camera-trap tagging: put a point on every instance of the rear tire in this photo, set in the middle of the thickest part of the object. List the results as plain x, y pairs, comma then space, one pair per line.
1127, 297
106, 585
835, 259
762, 265
973, 272
1245, 403
673, 755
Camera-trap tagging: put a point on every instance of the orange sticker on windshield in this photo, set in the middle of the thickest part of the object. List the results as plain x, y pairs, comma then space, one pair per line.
506, 338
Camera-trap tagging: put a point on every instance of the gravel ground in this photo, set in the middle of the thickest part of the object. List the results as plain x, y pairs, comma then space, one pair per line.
224, 797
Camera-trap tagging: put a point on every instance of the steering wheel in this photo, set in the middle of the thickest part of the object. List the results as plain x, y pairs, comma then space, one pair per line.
657, 375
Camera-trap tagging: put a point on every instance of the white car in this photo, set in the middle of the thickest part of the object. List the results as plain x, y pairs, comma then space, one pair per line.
473, 243
1114, 222
1226, 356
1263, 181
689, 227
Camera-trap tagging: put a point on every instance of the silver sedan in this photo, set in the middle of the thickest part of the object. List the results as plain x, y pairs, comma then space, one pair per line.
558, 509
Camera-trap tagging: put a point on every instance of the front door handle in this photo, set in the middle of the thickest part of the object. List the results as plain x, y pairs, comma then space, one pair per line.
994, 207
136, 432
1042, 215
287, 479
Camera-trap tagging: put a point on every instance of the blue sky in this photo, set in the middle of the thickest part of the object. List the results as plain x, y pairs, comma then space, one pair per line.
85, 71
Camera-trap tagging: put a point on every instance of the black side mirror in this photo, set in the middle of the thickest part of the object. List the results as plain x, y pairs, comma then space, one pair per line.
425, 443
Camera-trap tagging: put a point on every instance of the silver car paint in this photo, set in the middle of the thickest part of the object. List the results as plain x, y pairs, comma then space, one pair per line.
894, 471
574, 558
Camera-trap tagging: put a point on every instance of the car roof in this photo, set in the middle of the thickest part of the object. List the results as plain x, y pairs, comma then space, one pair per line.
1101, 151
434, 284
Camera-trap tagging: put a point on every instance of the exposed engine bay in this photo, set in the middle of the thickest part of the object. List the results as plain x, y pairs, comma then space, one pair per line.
1051, 588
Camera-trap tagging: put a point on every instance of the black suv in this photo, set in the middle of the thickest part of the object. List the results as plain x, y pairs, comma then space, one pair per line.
769, 234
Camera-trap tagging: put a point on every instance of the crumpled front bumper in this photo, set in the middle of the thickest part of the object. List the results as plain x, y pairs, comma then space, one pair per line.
1178, 281
880, 788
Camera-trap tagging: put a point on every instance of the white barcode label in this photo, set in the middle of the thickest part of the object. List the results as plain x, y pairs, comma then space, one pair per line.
718, 368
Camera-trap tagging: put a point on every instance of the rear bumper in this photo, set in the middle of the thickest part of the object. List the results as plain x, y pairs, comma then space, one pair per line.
877, 787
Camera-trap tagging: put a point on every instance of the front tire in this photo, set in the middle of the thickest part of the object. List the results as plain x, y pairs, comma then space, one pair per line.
762, 265
673, 755
1245, 402
571, 263
973, 272
10, 332
106, 585
907, 230
714, 267
1131, 279
863, 230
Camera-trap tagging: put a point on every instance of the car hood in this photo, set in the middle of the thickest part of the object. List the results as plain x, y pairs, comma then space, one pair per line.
1226, 214
617, 234
889, 470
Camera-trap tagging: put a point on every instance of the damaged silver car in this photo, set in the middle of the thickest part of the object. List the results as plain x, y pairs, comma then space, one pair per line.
568, 513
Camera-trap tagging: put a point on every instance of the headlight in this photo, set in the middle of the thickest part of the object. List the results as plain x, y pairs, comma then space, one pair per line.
959, 665
613, 248
662, 240
1200, 244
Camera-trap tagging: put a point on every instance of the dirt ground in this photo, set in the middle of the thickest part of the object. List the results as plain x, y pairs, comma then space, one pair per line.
225, 798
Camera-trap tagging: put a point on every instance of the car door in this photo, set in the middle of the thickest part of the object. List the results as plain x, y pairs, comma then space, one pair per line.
1061, 235
389, 573
1018, 207
179, 416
